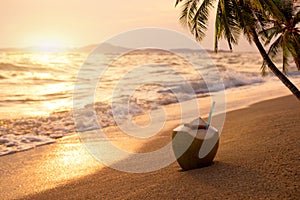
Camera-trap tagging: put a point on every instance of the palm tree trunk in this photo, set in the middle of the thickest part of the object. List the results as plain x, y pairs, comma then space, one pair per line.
272, 66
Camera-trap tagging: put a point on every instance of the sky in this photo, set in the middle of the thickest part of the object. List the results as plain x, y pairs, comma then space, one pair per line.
75, 23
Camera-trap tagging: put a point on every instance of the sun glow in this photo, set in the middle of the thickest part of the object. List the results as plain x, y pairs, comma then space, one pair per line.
50, 46
49, 43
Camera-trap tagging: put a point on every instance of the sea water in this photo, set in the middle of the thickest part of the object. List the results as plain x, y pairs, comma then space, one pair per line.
34, 85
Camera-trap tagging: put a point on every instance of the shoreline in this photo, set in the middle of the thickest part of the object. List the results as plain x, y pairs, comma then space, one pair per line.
264, 166
44, 130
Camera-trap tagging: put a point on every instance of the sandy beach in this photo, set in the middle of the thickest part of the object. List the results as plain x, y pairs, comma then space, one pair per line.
258, 158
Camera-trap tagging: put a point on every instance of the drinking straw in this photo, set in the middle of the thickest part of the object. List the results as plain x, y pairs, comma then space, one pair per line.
210, 114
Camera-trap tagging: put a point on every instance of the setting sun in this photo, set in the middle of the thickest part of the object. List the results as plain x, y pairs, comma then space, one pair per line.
49, 44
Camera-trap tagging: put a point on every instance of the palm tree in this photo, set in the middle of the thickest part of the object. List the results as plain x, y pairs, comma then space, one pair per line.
285, 34
233, 18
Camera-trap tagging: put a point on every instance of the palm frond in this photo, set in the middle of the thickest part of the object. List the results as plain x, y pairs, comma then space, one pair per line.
185, 12
296, 19
229, 22
274, 48
290, 43
177, 2
285, 55
200, 18
244, 17
269, 33
194, 16
294, 48
271, 6
281, 29
264, 68
286, 8
218, 31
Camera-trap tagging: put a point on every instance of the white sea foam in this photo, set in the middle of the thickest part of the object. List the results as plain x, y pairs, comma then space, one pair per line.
14, 143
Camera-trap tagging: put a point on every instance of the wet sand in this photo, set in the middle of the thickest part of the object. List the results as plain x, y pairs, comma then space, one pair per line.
258, 158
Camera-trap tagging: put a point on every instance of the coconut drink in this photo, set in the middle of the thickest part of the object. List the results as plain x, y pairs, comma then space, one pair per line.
195, 144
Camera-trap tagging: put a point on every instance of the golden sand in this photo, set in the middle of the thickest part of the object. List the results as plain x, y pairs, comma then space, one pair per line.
258, 158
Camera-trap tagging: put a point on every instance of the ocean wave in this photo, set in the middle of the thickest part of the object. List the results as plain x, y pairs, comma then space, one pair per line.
2, 77
11, 67
31, 67
233, 78
230, 79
